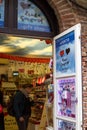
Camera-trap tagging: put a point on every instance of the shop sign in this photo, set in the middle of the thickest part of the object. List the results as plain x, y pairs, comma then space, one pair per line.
30, 17
1, 13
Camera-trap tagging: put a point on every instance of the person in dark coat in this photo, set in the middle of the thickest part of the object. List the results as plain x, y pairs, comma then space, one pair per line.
22, 106
1, 112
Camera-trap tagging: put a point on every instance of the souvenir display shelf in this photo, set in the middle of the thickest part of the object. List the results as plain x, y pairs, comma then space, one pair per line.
39, 97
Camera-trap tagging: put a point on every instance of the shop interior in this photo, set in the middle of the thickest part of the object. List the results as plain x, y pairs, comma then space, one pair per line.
28, 60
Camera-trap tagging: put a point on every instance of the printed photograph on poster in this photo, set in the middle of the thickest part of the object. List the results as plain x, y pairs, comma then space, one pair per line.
2, 14
66, 97
64, 125
65, 54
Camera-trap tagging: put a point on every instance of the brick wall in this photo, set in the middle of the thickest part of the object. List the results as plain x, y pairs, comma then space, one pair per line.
69, 14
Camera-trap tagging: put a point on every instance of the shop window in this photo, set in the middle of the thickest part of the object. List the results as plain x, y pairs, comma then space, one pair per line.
26, 17
2, 14
30, 17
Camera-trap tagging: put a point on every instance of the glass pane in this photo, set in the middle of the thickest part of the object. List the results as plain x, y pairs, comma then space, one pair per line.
66, 97
64, 125
30, 17
2, 14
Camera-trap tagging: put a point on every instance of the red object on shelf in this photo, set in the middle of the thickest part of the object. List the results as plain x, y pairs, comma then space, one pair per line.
1, 108
21, 70
5, 113
41, 80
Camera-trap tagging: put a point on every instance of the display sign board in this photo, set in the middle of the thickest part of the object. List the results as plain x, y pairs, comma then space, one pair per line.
2, 14
68, 80
65, 54
30, 17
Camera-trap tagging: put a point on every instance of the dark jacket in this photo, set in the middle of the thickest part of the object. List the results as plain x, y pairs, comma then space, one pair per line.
22, 105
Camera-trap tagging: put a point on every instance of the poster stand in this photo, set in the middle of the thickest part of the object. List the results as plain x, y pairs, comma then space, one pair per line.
68, 80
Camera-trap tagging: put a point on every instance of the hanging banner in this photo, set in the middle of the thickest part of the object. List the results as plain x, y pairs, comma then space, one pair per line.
25, 59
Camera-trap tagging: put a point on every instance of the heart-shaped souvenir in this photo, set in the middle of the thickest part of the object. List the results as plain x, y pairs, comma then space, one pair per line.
1, 108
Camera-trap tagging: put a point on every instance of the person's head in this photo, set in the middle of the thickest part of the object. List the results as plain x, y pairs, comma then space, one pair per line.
27, 87
18, 86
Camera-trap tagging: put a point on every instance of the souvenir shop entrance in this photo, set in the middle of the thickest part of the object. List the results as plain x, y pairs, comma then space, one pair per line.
32, 20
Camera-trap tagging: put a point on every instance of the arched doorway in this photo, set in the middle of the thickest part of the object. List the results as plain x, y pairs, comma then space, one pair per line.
10, 25
23, 23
